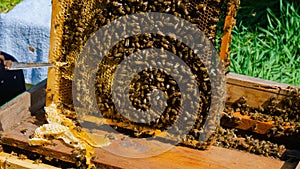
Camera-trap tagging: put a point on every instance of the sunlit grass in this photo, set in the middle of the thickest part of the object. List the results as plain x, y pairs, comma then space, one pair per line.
6, 5
272, 51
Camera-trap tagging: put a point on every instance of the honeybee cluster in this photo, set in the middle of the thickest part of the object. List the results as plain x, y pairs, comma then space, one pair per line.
284, 113
233, 139
150, 79
78, 20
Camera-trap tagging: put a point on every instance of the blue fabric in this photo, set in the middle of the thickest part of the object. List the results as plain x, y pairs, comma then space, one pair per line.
27, 25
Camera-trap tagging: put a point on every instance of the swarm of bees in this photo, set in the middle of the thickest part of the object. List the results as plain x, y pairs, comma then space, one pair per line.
150, 79
284, 115
73, 28
233, 139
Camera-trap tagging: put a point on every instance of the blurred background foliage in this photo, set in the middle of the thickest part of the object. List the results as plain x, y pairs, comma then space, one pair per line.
266, 39
6, 5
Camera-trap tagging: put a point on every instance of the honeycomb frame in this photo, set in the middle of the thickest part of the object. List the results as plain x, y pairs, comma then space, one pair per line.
68, 35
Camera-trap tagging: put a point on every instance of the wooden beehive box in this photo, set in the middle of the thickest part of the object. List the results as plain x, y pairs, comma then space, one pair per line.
67, 40
17, 132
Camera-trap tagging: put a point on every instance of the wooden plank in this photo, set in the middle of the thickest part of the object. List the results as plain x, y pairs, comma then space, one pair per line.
20, 140
9, 161
177, 157
55, 38
247, 124
256, 91
227, 29
37, 96
12, 113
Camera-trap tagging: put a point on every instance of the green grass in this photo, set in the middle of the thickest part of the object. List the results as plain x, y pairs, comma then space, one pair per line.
6, 5
271, 48
266, 41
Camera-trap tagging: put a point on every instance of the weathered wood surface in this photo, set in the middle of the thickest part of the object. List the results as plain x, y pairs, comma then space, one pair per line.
177, 157
8, 161
37, 96
22, 106
14, 111
256, 91
227, 29
55, 38
248, 124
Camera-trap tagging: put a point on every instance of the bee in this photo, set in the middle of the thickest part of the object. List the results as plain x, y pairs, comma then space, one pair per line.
201, 6
37, 161
254, 127
23, 131
32, 49
22, 157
